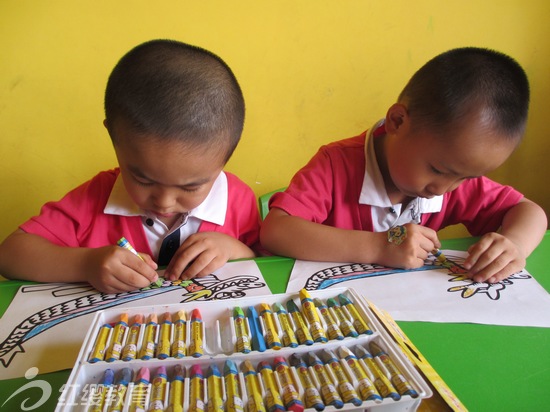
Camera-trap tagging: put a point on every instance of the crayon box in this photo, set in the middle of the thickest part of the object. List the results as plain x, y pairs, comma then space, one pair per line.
311, 351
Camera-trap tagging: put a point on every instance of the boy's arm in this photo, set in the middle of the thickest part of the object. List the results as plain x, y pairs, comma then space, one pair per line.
498, 255
109, 269
295, 237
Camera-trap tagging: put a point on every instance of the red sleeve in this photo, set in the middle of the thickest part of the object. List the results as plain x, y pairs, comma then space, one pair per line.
479, 204
68, 220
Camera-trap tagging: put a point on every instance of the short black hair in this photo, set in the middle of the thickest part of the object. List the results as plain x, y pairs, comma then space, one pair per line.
174, 90
452, 84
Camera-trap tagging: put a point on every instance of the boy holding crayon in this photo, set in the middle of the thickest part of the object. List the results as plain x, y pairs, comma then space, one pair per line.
382, 196
175, 114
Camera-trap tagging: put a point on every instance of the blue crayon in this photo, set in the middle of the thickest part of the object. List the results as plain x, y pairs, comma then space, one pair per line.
100, 391
258, 341
124, 377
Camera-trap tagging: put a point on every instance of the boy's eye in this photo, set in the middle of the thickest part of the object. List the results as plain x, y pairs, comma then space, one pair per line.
436, 171
143, 183
190, 189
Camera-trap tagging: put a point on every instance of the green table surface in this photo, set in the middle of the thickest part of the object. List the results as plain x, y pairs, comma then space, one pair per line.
489, 368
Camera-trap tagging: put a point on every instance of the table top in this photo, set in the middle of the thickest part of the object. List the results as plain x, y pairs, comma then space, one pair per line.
489, 367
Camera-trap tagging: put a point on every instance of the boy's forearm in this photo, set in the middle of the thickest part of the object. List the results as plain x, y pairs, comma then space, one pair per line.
301, 239
525, 225
30, 257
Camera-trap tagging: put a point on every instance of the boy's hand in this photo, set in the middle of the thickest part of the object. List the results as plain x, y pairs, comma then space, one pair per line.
112, 269
407, 246
493, 258
204, 252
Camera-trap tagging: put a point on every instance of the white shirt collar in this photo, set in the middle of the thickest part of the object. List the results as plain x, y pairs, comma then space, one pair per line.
373, 191
212, 209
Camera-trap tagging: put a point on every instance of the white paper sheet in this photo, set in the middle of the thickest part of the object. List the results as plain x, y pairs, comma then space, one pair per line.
433, 293
45, 324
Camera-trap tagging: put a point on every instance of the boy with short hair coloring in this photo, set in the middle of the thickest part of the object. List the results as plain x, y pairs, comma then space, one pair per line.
175, 114
380, 197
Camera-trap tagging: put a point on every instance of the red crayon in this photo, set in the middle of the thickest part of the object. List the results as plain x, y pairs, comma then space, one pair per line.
195, 346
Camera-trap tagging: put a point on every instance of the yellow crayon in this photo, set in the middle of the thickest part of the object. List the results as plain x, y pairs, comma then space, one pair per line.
255, 401
98, 352
272, 337
310, 313
196, 389
312, 397
291, 398
176, 390
163, 348
148, 344
289, 337
345, 388
382, 383
328, 390
399, 381
101, 391
358, 322
333, 330
214, 389
195, 347
115, 348
138, 398
158, 390
234, 401
367, 390
345, 324
123, 243
273, 397
178, 344
241, 331
119, 391
302, 332
130, 349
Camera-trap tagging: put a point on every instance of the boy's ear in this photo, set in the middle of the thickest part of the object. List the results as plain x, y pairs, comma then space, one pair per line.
396, 118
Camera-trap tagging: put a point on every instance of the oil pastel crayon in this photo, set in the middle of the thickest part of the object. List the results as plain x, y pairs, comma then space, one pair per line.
234, 401
178, 343
158, 390
345, 388
302, 331
98, 351
130, 349
255, 402
148, 344
175, 401
382, 383
163, 348
272, 337
123, 243
273, 397
291, 398
101, 391
399, 381
115, 347
438, 254
310, 313
333, 330
196, 389
366, 387
195, 346
358, 322
289, 337
346, 326
258, 341
312, 397
241, 331
329, 393
122, 380
214, 389
138, 397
